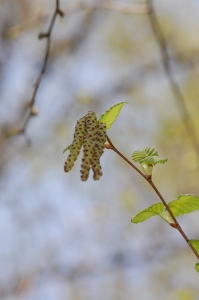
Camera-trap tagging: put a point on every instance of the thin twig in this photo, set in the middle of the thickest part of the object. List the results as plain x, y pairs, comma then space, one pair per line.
46, 35
186, 117
112, 147
32, 111
149, 179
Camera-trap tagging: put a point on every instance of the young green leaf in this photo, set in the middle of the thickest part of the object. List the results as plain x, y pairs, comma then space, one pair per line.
155, 209
111, 114
153, 160
142, 153
149, 156
197, 267
184, 204
195, 244
68, 148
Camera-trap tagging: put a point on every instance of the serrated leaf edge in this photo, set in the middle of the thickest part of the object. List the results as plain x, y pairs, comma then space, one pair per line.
154, 160
148, 210
148, 155
108, 111
170, 204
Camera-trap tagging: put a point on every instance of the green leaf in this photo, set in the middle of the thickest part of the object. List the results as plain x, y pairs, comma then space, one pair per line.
195, 244
184, 204
197, 267
111, 114
153, 160
142, 153
151, 211
149, 156
68, 148
155, 209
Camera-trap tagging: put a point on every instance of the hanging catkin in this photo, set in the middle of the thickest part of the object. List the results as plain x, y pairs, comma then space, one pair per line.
76, 145
98, 150
88, 144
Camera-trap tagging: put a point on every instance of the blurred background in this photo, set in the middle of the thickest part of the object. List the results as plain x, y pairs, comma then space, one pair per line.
70, 240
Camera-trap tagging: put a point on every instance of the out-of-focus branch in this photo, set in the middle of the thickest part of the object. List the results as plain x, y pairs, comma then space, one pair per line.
121, 7
186, 117
117, 6
32, 110
47, 35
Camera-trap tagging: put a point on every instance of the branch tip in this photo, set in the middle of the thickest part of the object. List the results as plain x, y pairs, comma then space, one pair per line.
60, 13
32, 110
43, 35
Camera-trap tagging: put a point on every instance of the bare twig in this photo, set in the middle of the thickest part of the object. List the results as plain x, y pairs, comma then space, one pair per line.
186, 117
46, 35
32, 111
149, 179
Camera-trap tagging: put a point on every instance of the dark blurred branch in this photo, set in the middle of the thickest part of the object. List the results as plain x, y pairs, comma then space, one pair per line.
32, 111
46, 35
175, 223
186, 117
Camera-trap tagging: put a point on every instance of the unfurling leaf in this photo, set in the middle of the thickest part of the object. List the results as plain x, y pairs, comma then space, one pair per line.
153, 160
149, 156
142, 153
184, 204
111, 114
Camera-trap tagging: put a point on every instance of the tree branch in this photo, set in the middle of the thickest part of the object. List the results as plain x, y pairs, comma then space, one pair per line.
149, 179
32, 111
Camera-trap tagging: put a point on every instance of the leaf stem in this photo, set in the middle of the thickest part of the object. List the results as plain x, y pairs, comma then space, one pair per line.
149, 179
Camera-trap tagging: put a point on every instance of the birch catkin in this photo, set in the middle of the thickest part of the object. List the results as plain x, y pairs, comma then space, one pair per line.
98, 150
77, 143
89, 143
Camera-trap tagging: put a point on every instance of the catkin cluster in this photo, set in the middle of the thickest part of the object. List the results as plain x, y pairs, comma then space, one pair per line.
90, 134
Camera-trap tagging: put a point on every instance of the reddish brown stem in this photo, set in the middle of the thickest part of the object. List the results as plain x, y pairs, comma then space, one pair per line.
149, 179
